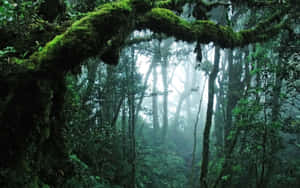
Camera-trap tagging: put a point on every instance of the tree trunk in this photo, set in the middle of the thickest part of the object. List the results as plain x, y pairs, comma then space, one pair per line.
139, 104
191, 180
164, 70
208, 123
155, 60
186, 93
131, 119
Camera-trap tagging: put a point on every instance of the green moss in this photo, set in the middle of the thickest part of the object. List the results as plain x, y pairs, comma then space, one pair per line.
163, 14
125, 5
164, 4
90, 35
85, 38
165, 21
24, 63
168, 4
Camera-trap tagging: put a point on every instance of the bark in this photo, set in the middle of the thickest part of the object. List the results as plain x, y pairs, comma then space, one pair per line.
208, 123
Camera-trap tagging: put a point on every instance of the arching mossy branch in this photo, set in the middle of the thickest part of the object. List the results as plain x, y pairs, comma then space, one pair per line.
87, 37
113, 22
165, 21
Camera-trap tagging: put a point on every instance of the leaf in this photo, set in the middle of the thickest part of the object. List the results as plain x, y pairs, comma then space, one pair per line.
225, 178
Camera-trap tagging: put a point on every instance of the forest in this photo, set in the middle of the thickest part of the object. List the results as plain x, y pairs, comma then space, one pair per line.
149, 93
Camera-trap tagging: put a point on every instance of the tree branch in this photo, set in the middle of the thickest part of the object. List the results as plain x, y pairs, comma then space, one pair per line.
112, 23
165, 21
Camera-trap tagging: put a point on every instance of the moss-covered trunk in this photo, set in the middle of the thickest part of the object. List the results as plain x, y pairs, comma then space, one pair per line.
31, 123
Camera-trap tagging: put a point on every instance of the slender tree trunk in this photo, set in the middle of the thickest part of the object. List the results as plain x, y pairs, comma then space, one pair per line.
117, 112
164, 69
124, 132
209, 114
234, 94
189, 83
138, 108
220, 111
131, 105
230, 98
276, 92
154, 96
109, 95
178, 110
91, 77
220, 120
195, 137
186, 93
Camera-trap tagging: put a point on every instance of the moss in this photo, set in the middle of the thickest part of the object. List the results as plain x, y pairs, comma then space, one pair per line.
165, 4
85, 38
24, 63
165, 21
175, 5
89, 36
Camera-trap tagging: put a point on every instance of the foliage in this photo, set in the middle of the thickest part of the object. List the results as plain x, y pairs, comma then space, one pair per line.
20, 13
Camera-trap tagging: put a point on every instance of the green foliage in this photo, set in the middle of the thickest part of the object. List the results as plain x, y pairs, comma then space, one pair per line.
17, 13
161, 168
83, 176
98, 148
7, 51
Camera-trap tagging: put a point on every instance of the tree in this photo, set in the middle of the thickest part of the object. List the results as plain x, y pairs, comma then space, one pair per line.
208, 123
34, 87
